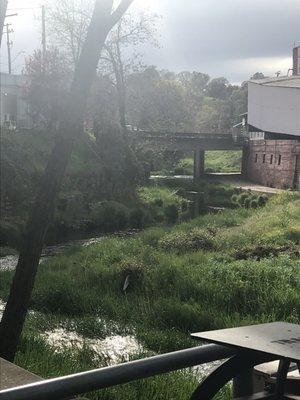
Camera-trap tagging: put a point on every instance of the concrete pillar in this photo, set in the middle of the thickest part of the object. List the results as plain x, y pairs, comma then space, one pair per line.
245, 156
199, 156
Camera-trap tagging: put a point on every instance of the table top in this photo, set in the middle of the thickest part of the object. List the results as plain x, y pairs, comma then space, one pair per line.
277, 338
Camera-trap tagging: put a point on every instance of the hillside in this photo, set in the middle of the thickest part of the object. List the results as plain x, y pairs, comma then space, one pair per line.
234, 268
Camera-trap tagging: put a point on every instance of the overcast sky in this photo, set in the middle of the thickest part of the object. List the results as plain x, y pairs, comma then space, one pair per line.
231, 38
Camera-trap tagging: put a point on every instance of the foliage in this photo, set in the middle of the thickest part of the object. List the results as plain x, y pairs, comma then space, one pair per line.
215, 161
196, 239
249, 200
49, 82
223, 161
10, 234
110, 215
175, 292
94, 175
164, 203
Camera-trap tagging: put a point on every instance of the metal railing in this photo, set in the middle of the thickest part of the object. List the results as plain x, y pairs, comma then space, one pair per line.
80, 383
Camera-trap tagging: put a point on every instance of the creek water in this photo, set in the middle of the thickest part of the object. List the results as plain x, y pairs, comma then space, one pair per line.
113, 348
8, 263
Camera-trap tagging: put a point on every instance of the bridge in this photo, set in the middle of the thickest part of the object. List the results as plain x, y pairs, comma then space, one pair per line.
196, 142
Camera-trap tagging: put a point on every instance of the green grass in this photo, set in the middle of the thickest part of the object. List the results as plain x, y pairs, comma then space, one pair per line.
215, 161
151, 195
223, 161
176, 291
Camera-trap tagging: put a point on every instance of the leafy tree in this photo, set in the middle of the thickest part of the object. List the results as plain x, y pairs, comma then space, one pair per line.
68, 21
258, 75
218, 88
155, 103
131, 31
70, 128
49, 82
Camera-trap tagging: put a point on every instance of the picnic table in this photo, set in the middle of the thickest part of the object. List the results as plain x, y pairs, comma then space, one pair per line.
257, 348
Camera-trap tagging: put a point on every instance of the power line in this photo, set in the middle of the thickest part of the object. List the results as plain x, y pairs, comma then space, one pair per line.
24, 8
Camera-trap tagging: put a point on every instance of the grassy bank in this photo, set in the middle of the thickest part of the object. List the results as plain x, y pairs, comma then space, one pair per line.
215, 161
158, 203
236, 267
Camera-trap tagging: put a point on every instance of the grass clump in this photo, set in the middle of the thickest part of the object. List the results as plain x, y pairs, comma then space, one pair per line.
249, 199
196, 239
164, 204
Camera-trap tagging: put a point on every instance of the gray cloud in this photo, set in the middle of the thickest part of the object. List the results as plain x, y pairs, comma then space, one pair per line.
233, 38
211, 34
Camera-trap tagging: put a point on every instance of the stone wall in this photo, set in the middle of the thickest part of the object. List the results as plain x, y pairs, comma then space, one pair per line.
272, 162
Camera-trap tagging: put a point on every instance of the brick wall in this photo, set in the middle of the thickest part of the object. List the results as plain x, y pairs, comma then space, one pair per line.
271, 162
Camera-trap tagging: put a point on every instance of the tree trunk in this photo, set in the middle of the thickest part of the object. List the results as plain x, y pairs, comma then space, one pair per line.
70, 127
117, 65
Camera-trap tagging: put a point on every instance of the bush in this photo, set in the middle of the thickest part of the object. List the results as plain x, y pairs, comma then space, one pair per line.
10, 234
137, 218
254, 203
247, 202
171, 213
293, 234
197, 239
110, 215
234, 199
262, 200
158, 202
241, 198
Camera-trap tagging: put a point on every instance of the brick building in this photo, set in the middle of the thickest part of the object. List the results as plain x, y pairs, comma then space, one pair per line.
272, 154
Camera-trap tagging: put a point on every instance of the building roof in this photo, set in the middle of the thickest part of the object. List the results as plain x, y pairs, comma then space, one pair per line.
274, 105
282, 81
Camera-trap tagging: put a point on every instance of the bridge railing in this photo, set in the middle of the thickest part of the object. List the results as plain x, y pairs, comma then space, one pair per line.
72, 385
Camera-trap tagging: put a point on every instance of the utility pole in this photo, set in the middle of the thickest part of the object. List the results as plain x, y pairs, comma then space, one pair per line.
9, 43
3, 8
43, 39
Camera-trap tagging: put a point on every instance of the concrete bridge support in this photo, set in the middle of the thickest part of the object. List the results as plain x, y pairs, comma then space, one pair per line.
245, 157
199, 156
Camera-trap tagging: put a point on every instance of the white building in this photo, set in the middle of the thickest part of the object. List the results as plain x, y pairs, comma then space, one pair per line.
274, 105
14, 112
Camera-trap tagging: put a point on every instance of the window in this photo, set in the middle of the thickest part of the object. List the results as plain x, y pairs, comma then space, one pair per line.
279, 159
256, 157
264, 158
271, 159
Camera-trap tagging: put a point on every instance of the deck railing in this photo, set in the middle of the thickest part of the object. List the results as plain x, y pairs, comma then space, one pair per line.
72, 385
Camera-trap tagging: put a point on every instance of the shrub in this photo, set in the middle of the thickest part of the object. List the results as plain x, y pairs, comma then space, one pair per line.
110, 215
241, 198
197, 239
137, 218
247, 202
158, 202
234, 199
171, 213
10, 234
293, 234
262, 200
254, 203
